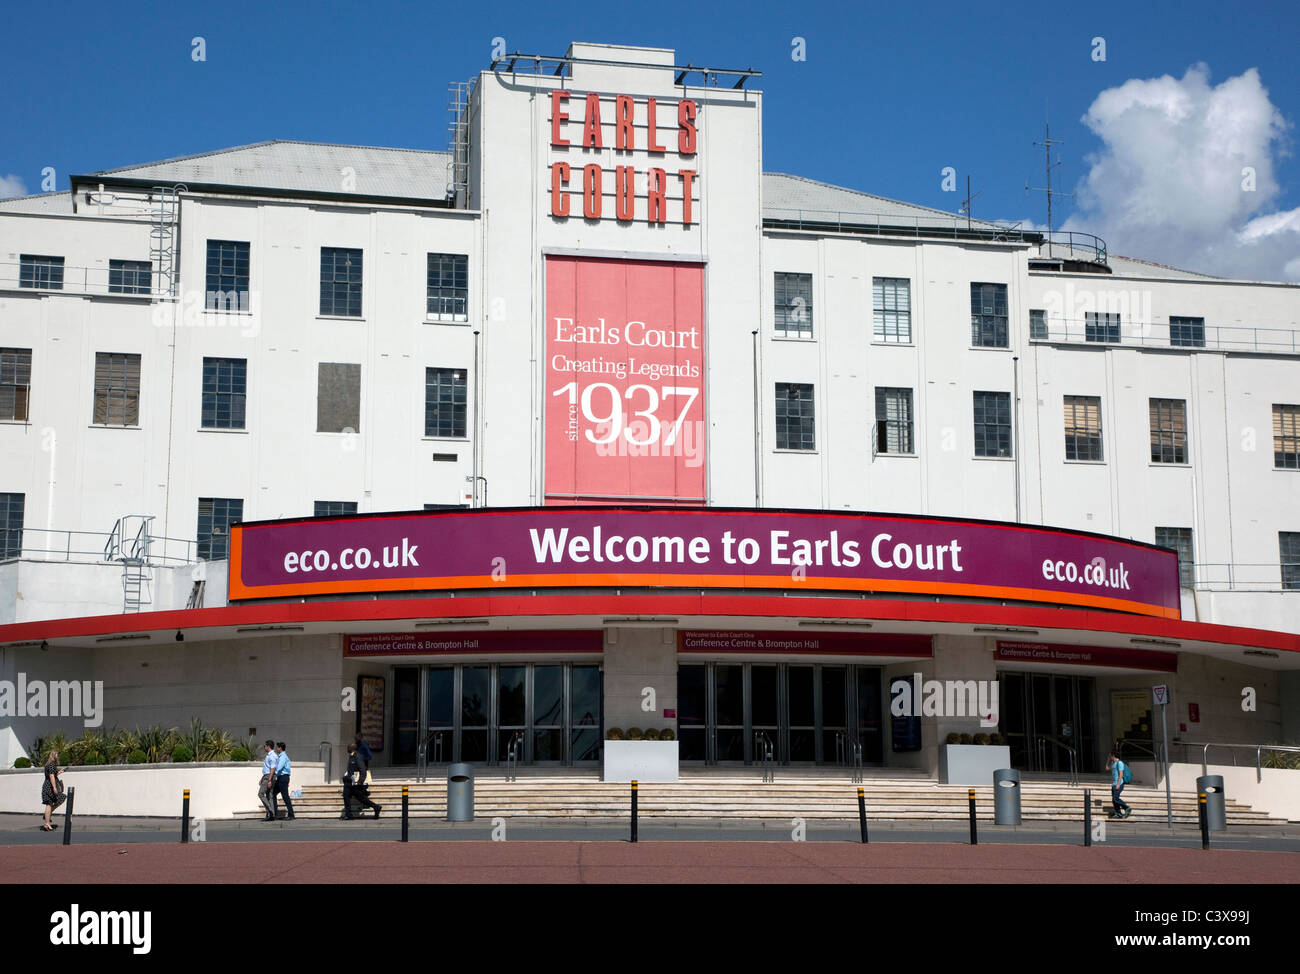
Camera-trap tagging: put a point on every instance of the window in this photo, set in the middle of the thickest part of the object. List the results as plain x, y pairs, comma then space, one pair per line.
1083, 428
1180, 539
16, 384
11, 525
36, 271
794, 305
1101, 326
1187, 332
216, 514
1038, 324
227, 275
993, 424
1168, 431
988, 315
891, 299
129, 276
225, 387
444, 402
340, 282
1286, 432
1288, 543
795, 419
334, 508
117, 389
894, 420
448, 287
338, 397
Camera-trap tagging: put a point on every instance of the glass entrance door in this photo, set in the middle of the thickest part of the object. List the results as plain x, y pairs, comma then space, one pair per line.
811, 712
549, 712
1046, 714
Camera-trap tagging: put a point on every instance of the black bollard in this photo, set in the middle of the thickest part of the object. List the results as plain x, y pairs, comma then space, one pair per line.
862, 814
406, 808
633, 810
68, 818
974, 839
1205, 821
185, 816
1087, 816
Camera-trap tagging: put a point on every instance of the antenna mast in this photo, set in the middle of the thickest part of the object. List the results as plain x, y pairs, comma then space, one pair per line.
1047, 144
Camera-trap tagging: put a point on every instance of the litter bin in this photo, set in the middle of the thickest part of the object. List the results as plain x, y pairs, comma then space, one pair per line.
460, 793
1006, 797
1216, 811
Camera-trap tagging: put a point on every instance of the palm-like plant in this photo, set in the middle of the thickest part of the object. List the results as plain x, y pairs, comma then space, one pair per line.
120, 744
217, 745
156, 742
42, 746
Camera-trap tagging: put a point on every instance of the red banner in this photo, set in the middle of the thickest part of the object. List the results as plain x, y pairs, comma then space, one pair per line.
443, 643
815, 643
1132, 659
624, 395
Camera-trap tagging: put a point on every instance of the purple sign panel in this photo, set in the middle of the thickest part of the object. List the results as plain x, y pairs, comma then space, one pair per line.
710, 548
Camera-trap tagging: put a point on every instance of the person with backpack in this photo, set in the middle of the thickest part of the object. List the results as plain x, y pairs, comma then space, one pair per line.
1120, 775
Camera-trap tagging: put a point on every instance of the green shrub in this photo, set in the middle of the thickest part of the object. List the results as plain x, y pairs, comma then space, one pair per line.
952, 739
667, 734
634, 734
652, 734
181, 753
980, 739
964, 739
23, 763
93, 758
614, 734
239, 753
997, 739
136, 757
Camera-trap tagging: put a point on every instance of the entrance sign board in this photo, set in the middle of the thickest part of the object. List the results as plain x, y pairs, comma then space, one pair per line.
1132, 659
698, 548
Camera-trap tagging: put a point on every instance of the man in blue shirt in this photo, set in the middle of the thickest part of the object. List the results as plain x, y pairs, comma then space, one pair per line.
363, 749
282, 769
1117, 768
265, 792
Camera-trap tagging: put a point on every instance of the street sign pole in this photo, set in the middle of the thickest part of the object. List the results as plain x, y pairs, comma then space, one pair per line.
1161, 695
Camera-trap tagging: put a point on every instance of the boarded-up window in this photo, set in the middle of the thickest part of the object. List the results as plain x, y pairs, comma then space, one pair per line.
117, 389
1083, 428
338, 398
15, 383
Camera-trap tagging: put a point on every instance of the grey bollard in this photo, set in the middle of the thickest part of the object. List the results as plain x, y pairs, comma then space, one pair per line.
1006, 797
1216, 810
460, 793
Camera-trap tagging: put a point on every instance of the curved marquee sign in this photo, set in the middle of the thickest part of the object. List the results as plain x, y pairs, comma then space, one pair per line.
710, 548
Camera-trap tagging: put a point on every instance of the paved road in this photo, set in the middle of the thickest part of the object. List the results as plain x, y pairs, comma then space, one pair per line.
645, 862
22, 830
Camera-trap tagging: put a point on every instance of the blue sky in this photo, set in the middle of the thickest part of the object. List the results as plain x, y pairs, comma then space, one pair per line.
886, 98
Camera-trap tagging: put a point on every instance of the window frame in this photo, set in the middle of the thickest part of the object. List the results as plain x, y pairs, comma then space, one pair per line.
13, 371
440, 396
1160, 432
802, 422
40, 272
342, 271
236, 399
1076, 434
323, 413
459, 269
11, 537
904, 428
228, 505
982, 425
333, 508
224, 261
987, 324
882, 288
116, 391
1103, 327
1289, 560
129, 279
1186, 332
1038, 325
1286, 432
790, 285
1173, 538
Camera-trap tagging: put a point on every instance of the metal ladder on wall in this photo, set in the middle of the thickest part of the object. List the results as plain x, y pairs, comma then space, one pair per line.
131, 548
458, 93
162, 237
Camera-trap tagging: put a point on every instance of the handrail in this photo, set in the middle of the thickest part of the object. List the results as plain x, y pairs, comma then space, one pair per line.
1074, 755
325, 753
93, 547
514, 753
421, 762
766, 755
1259, 749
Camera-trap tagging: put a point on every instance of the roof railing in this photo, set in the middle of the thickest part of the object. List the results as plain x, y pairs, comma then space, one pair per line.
894, 224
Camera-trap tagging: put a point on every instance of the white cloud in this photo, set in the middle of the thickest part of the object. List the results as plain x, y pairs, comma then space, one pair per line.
12, 185
1186, 176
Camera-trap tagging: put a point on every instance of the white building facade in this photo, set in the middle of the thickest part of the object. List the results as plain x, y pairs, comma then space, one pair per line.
292, 330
